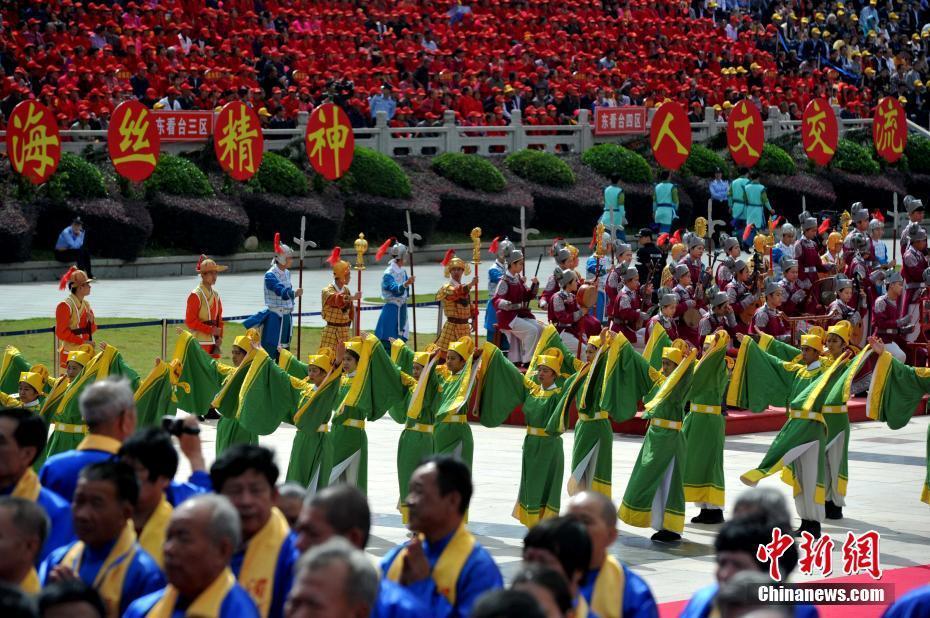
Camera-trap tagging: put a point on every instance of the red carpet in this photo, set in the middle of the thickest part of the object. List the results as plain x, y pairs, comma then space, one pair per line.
904, 579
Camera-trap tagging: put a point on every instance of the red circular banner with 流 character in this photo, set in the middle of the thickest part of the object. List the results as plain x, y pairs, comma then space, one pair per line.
889, 129
329, 141
132, 140
238, 140
745, 134
670, 135
33, 143
819, 132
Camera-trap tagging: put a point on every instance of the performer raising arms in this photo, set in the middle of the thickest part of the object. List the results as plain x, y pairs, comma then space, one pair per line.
337, 304
456, 304
204, 315
74, 319
395, 284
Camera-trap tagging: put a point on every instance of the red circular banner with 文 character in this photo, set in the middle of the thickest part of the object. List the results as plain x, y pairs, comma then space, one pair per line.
33, 143
819, 131
889, 129
670, 135
745, 134
329, 141
133, 141
238, 140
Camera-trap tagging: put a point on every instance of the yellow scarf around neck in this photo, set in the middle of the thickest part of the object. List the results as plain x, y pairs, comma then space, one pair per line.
449, 566
152, 536
208, 603
607, 596
28, 486
97, 442
261, 559
30, 583
110, 577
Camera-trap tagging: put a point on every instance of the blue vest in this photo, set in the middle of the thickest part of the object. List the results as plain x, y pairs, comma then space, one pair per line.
279, 293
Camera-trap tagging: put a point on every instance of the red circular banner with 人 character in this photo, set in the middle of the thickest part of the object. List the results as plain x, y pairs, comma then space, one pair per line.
32, 141
670, 135
745, 134
329, 140
238, 141
133, 141
819, 131
889, 129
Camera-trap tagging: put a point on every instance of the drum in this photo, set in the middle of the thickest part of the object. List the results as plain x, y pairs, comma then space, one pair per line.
691, 318
586, 296
825, 290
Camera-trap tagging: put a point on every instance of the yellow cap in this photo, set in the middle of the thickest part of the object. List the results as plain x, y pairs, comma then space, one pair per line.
263, 111
595, 341
815, 30
245, 341
355, 344
33, 379
841, 329
811, 341
421, 358
673, 354
81, 355
324, 359
551, 358
464, 347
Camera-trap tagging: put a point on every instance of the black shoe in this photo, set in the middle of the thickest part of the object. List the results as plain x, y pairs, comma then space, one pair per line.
708, 516
213, 415
809, 525
833, 511
666, 536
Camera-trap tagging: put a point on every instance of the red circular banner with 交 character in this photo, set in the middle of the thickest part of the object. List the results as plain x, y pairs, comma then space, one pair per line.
745, 134
238, 141
32, 141
819, 131
670, 135
889, 129
329, 140
133, 141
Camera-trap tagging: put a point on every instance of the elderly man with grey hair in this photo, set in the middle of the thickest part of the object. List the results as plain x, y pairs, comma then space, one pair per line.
202, 535
24, 527
109, 411
333, 580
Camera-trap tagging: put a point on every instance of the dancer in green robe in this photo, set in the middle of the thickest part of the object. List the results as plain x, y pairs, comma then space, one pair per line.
201, 376
592, 447
228, 430
12, 363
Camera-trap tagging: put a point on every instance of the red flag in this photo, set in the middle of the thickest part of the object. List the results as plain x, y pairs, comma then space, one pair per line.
878, 215
334, 256
63, 282
384, 247
676, 237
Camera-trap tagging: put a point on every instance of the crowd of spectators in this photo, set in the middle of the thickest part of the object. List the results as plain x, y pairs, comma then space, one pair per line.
482, 59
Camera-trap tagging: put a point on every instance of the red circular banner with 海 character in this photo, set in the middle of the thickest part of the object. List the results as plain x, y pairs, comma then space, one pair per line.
889, 129
32, 141
745, 134
133, 141
819, 131
329, 140
670, 135
238, 140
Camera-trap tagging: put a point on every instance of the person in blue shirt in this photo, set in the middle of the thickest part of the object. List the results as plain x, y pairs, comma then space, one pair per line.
106, 554
202, 535
342, 510
562, 544
547, 586
72, 598
276, 320
22, 439
383, 102
614, 207
719, 200
264, 562
395, 289
438, 496
914, 604
599, 516
70, 247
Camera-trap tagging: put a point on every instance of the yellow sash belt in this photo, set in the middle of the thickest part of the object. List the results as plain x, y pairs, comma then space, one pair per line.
666, 424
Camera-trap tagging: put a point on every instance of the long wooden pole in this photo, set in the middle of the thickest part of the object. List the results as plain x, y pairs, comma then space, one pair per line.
476, 261
361, 246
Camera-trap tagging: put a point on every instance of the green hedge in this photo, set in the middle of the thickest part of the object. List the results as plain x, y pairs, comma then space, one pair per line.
608, 159
855, 159
178, 176
918, 154
774, 160
703, 162
541, 167
79, 179
469, 172
376, 174
280, 176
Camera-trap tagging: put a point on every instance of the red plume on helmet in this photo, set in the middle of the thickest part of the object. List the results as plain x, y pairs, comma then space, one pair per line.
748, 231
824, 227
676, 237
775, 222
277, 243
63, 282
448, 257
878, 215
662, 239
555, 243
200, 261
334, 256
384, 248
493, 247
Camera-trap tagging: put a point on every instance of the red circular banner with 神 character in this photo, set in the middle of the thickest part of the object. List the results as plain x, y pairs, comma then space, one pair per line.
670, 135
32, 141
745, 134
819, 131
238, 140
133, 141
329, 140
889, 129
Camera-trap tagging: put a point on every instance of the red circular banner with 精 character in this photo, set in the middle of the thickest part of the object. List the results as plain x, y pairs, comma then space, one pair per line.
745, 134
889, 129
32, 141
670, 135
329, 140
238, 140
133, 141
819, 131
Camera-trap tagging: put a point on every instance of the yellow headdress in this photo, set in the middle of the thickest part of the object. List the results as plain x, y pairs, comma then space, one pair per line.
245, 341
842, 329
812, 341
34, 379
551, 358
324, 359
464, 347
81, 355
421, 358
673, 354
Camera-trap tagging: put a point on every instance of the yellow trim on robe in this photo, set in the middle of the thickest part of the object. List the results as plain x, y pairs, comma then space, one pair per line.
109, 579
704, 493
207, 604
261, 560
877, 388
30, 584
449, 566
607, 595
152, 536
27, 487
97, 442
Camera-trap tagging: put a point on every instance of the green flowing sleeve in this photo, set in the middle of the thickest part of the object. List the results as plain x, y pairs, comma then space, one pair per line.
268, 395
896, 391
155, 396
588, 391
108, 362
778, 349
316, 405
291, 364
457, 391
402, 357
502, 387
377, 385
226, 402
668, 402
628, 377
558, 421
199, 372
709, 383
550, 339
760, 379
11, 365
118, 367
658, 339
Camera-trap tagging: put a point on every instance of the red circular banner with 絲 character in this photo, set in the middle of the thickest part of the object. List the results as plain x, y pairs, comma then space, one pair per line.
745, 134
889, 129
133, 141
32, 141
819, 131
329, 140
238, 140
670, 135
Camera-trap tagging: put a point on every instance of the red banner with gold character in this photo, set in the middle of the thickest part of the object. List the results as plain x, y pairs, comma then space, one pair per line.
889, 129
32, 141
670, 135
238, 140
329, 141
133, 141
745, 134
819, 131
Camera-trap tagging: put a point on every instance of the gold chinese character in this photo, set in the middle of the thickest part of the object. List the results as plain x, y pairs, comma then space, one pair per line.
742, 131
887, 132
237, 142
132, 139
34, 149
666, 131
817, 127
333, 138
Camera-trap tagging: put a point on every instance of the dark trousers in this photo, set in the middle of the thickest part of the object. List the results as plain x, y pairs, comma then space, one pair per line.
720, 210
81, 257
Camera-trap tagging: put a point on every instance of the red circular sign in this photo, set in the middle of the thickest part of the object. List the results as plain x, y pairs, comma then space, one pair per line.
238, 140
819, 131
133, 141
329, 140
32, 141
889, 129
745, 134
670, 135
